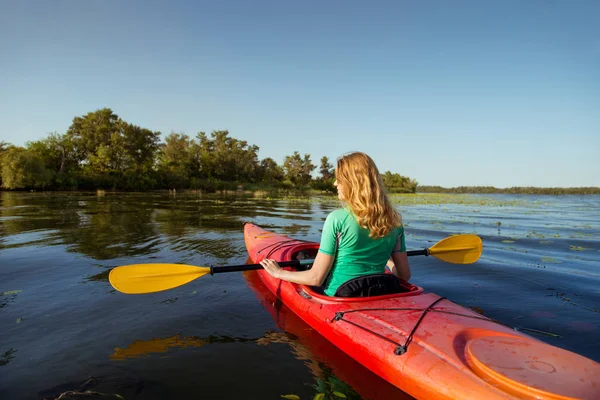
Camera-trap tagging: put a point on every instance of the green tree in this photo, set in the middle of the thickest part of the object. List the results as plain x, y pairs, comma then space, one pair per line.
112, 152
397, 183
326, 168
56, 151
233, 159
175, 160
175, 154
202, 156
270, 171
93, 130
297, 169
225, 158
22, 169
3, 147
141, 145
325, 181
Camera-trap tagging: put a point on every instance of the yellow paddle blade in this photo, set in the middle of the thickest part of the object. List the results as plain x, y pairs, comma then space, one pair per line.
148, 278
459, 249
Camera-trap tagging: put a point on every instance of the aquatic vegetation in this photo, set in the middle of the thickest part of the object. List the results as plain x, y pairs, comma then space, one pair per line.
460, 199
7, 356
85, 391
577, 248
550, 260
563, 296
529, 330
333, 389
7, 297
533, 234
580, 235
516, 249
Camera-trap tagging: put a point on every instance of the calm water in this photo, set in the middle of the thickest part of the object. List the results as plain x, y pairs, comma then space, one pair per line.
63, 327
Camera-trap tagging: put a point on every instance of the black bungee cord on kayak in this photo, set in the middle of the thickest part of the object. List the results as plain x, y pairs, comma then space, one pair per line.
401, 348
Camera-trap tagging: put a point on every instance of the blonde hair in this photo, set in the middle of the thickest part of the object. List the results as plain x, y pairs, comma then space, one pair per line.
365, 195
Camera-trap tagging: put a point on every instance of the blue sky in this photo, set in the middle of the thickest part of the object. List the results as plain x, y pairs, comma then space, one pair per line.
503, 93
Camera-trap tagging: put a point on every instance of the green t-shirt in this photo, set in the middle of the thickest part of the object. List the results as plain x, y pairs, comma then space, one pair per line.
356, 254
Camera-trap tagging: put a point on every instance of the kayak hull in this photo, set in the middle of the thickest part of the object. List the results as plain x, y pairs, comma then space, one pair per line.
425, 345
325, 360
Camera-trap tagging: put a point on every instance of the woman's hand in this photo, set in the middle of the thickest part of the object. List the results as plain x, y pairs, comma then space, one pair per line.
272, 267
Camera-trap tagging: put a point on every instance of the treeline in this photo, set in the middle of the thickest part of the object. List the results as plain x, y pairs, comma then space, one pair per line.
511, 190
102, 151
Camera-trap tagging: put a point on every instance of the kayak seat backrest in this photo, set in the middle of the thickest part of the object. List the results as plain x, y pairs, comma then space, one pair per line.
371, 285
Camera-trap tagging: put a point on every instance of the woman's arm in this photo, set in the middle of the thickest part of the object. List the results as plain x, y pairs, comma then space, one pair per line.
400, 267
312, 277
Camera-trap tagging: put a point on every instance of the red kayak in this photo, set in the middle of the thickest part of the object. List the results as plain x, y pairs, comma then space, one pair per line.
426, 345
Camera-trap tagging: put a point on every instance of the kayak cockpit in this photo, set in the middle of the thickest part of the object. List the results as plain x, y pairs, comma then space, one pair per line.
402, 288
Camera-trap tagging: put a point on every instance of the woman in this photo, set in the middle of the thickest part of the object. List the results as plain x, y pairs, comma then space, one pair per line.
358, 239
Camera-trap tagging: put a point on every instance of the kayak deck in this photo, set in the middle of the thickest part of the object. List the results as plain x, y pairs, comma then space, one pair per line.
427, 345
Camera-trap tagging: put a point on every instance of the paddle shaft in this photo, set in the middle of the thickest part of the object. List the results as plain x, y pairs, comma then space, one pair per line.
424, 252
294, 263
249, 267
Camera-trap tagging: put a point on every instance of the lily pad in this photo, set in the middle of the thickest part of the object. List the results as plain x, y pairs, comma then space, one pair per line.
550, 260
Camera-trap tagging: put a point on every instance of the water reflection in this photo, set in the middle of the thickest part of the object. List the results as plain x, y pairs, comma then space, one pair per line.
162, 345
113, 229
101, 277
296, 229
121, 225
7, 356
333, 369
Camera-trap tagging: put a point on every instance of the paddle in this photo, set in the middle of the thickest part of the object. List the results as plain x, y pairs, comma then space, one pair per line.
148, 278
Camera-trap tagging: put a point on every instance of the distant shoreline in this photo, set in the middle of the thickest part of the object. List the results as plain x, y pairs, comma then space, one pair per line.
267, 191
511, 190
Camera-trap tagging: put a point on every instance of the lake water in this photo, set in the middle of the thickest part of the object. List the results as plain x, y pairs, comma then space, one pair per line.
64, 328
